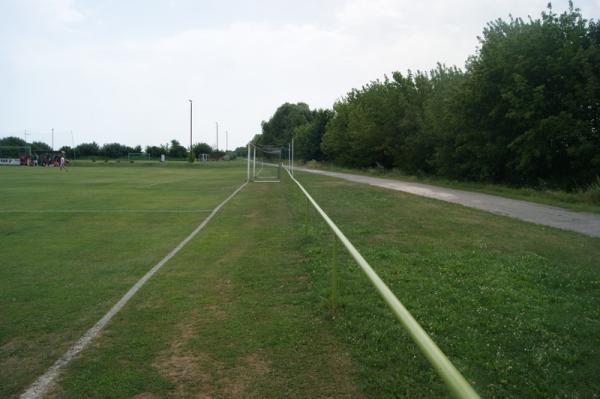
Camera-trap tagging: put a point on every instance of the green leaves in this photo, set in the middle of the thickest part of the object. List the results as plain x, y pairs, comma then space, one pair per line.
526, 111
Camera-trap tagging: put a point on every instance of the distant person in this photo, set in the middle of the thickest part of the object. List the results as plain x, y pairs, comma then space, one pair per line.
62, 162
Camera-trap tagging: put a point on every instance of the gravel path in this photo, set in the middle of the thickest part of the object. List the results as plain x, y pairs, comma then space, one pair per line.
580, 222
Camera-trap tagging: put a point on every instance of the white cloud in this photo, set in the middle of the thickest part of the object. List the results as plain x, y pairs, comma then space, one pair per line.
52, 14
135, 90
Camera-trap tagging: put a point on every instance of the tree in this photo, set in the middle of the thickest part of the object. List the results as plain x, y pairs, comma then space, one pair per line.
68, 151
88, 149
241, 152
154, 151
12, 141
176, 150
280, 128
201, 148
115, 150
38, 146
533, 94
308, 137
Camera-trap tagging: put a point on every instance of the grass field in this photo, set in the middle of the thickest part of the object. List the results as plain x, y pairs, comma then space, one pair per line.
243, 310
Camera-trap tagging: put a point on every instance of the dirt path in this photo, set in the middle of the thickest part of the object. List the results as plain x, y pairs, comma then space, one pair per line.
580, 222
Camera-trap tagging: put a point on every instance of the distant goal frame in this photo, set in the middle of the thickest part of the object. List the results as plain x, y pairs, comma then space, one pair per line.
272, 161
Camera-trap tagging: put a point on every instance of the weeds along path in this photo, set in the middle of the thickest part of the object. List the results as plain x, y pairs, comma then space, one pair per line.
233, 315
580, 222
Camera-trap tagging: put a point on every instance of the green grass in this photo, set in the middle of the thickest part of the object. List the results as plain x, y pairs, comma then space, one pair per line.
244, 309
230, 316
63, 270
515, 306
582, 200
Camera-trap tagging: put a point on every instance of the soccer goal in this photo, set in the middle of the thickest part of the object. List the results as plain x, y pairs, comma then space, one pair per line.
138, 156
264, 163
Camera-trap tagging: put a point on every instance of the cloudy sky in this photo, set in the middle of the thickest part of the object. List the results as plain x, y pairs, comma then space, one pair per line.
123, 70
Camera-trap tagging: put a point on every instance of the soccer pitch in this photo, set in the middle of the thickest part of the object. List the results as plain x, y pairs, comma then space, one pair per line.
243, 309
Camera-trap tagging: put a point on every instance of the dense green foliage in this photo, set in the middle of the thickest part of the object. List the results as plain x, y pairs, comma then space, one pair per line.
201, 148
280, 128
308, 136
114, 150
526, 111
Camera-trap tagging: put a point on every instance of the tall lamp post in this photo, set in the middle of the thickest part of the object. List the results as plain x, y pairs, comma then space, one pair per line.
191, 148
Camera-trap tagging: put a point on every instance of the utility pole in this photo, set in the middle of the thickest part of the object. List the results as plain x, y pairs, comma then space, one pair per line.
191, 149
217, 123
73, 144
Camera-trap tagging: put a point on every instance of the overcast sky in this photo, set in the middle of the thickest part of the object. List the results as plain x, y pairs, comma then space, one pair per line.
123, 70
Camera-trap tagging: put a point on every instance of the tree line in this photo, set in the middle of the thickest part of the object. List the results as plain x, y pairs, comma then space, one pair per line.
524, 111
173, 150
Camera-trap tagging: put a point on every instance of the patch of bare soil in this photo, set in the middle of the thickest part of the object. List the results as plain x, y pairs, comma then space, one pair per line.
201, 376
198, 375
238, 380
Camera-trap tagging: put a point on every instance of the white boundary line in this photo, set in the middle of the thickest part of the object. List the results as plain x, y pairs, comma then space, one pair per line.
41, 385
105, 210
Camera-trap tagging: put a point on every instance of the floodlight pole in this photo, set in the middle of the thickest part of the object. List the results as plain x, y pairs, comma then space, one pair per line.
217, 123
226, 140
191, 148
248, 162
73, 144
52, 139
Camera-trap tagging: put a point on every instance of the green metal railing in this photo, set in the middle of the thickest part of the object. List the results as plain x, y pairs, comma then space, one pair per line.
453, 379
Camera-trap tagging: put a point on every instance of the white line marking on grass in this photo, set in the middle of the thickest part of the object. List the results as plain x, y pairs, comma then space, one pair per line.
104, 210
41, 385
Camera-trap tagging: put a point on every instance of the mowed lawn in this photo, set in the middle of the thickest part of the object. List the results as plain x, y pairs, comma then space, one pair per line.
244, 309
73, 243
515, 306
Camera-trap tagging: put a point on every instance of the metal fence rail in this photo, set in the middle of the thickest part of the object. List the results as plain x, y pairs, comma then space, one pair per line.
453, 379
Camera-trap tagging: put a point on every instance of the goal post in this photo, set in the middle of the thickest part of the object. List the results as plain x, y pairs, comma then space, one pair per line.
264, 163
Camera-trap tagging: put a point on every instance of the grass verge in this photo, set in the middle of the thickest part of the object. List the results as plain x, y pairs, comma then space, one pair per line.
515, 306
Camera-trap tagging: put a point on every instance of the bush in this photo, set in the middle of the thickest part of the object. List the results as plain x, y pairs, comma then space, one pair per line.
312, 164
592, 193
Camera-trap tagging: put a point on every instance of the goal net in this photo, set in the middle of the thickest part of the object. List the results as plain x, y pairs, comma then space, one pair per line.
135, 156
264, 163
